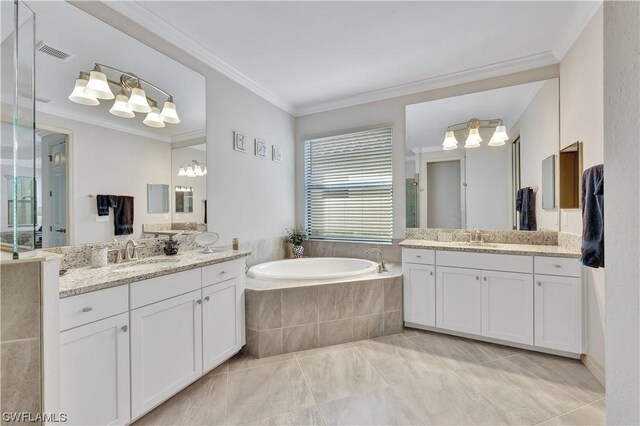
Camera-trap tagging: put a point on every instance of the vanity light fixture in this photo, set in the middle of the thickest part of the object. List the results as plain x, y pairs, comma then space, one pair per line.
474, 139
94, 85
192, 169
184, 189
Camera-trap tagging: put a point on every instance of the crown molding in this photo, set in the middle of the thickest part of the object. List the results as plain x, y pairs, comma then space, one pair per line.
524, 63
165, 30
90, 119
193, 134
575, 27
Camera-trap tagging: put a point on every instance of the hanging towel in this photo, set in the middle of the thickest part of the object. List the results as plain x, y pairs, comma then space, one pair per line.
123, 214
593, 217
526, 206
205, 212
104, 203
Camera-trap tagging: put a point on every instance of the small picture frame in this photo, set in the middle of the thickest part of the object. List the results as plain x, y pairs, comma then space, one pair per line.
260, 148
276, 153
240, 142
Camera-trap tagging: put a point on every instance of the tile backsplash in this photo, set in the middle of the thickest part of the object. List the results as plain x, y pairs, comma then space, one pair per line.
545, 238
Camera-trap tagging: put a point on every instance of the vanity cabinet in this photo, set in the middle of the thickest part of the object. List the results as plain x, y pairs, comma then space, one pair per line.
419, 283
94, 372
534, 301
166, 351
507, 306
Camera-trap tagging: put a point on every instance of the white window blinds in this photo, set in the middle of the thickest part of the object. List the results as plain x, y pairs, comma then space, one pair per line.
348, 186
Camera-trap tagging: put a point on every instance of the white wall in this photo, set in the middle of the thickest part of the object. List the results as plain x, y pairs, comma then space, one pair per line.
622, 209
539, 138
199, 184
106, 161
391, 112
581, 119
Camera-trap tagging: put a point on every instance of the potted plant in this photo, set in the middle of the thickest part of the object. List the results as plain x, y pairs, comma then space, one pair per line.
296, 236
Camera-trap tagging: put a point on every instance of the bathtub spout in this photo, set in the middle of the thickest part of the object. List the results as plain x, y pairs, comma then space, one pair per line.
381, 266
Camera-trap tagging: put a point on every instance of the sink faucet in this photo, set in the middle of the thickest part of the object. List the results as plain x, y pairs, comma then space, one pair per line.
381, 266
476, 236
133, 255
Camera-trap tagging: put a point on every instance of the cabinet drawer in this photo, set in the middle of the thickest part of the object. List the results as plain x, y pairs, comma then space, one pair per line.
161, 288
93, 306
558, 266
423, 256
220, 272
486, 261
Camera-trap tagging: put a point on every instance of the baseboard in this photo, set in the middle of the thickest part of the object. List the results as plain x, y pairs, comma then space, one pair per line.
596, 369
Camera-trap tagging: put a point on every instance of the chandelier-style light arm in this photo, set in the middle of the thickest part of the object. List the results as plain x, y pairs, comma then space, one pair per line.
133, 76
481, 124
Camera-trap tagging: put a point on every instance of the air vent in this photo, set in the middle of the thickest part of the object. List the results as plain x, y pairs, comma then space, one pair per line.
52, 51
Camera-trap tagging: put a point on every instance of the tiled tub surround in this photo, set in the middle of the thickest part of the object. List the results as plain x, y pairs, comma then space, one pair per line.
85, 279
319, 248
285, 320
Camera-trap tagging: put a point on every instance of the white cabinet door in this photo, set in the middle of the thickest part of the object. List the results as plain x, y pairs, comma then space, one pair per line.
459, 299
419, 287
94, 372
221, 322
507, 306
558, 313
166, 349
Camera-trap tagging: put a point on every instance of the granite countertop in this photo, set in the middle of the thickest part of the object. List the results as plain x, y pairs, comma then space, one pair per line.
521, 249
83, 280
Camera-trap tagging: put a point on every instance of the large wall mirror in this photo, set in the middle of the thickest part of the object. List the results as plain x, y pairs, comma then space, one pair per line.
486, 184
88, 145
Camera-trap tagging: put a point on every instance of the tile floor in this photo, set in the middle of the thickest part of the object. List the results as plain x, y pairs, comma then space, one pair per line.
410, 378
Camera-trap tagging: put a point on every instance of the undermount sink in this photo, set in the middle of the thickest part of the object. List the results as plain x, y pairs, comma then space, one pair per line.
144, 265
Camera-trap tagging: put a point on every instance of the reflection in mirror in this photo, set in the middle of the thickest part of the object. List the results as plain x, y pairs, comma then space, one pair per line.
549, 182
95, 138
157, 198
570, 176
184, 199
469, 156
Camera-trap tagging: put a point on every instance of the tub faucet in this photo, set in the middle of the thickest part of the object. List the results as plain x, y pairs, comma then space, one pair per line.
381, 266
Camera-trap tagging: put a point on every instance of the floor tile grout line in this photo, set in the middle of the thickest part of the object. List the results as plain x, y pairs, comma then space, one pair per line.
306, 381
226, 399
357, 352
566, 412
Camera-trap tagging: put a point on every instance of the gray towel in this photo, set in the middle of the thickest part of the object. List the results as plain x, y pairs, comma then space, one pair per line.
593, 217
526, 206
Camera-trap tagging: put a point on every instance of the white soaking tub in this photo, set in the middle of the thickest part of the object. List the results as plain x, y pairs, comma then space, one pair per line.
312, 269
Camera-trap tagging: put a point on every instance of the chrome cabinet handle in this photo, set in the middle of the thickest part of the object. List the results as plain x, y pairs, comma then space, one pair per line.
419, 256
477, 278
199, 301
431, 273
124, 328
206, 299
223, 272
484, 278
539, 283
558, 266
87, 309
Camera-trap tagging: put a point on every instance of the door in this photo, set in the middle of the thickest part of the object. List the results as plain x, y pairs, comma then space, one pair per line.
419, 287
507, 306
166, 349
221, 322
54, 230
459, 299
94, 372
444, 198
558, 313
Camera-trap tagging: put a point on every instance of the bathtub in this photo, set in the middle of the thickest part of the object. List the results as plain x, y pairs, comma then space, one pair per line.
315, 268
299, 304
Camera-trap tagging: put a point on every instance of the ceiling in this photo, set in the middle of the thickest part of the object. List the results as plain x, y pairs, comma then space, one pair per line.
90, 40
426, 122
313, 56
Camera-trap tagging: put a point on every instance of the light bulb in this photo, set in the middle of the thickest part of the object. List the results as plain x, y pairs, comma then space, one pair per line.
138, 101
120, 107
98, 85
79, 96
153, 118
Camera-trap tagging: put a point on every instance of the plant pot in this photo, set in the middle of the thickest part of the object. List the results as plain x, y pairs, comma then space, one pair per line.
298, 251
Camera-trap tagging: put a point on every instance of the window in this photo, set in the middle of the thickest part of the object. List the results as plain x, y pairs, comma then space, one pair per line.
348, 186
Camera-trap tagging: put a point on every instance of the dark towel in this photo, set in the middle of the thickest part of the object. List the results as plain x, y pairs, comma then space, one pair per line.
104, 203
593, 217
123, 215
205, 212
526, 206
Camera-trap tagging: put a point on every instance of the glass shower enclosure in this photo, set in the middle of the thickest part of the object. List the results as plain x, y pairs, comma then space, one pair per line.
18, 182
